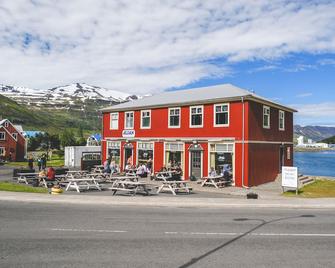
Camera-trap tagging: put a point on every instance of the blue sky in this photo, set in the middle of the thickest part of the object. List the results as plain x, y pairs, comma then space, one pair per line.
283, 50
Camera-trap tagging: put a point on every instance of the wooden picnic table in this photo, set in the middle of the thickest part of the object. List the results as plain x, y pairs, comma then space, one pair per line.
216, 181
86, 183
25, 177
164, 175
175, 187
72, 174
132, 187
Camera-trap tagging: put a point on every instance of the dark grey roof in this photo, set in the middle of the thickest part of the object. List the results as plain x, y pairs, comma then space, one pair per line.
189, 96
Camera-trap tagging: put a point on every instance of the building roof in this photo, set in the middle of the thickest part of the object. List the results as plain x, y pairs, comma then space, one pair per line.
2, 121
224, 92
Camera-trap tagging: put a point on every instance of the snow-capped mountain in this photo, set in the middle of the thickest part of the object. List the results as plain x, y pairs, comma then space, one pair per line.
69, 96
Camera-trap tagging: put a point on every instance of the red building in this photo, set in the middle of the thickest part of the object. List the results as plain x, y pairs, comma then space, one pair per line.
200, 128
12, 142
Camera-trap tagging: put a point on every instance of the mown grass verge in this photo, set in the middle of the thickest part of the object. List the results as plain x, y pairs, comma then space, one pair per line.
15, 187
317, 189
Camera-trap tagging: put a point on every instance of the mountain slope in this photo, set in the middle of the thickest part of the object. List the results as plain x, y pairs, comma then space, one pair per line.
53, 121
316, 133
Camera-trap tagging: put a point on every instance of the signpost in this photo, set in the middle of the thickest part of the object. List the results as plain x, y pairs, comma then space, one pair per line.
290, 178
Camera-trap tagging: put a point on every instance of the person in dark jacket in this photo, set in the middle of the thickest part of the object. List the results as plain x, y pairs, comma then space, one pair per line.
30, 162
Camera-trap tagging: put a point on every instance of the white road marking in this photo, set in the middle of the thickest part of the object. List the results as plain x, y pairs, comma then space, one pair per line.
253, 234
88, 230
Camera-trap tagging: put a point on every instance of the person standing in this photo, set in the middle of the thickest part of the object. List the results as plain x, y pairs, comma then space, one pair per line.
30, 162
44, 161
39, 163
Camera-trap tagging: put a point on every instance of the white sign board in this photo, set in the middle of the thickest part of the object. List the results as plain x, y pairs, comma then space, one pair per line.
289, 177
128, 133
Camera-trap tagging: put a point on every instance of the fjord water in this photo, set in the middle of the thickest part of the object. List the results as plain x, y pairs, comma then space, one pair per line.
315, 163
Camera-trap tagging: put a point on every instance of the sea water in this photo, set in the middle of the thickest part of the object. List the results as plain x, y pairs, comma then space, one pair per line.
315, 163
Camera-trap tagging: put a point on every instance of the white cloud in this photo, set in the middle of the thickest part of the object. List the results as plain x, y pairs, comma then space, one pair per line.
304, 95
147, 46
315, 114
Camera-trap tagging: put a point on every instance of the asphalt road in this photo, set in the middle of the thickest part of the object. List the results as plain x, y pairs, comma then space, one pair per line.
41, 235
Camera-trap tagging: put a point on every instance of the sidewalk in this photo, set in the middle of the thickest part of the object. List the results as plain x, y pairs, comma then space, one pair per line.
168, 201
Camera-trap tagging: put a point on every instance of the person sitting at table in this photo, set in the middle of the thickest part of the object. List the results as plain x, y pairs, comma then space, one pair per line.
142, 171
212, 172
113, 166
107, 166
178, 172
51, 177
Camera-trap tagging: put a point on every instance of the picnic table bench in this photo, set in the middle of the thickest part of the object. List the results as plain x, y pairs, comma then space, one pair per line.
86, 183
216, 181
132, 187
25, 177
175, 187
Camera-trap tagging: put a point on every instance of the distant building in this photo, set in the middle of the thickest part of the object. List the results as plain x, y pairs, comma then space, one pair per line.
94, 140
221, 127
13, 145
73, 155
311, 144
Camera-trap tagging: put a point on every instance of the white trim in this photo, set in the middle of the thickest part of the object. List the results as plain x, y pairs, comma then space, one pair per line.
214, 115
3, 150
266, 107
182, 158
174, 108
125, 119
15, 135
202, 116
124, 156
144, 111
153, 152
6, 123
119, 142
110, 120
283, 113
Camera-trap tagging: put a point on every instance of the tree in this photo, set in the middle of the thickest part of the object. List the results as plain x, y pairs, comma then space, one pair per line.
67, 138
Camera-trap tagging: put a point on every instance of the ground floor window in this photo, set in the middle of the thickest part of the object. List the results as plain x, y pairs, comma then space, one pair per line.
221, 157
145, 151
174, 155
113, 151
2, 151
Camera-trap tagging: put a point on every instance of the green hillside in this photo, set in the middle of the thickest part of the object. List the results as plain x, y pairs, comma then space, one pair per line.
330, 140
52, 121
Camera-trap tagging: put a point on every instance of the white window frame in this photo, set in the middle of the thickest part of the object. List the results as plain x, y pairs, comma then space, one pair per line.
269, 118
174, 108
221, 125
125, 119
202, 116
6, 124
4, 136
2, 150
281, 118
14, 136
111, 120
145, 111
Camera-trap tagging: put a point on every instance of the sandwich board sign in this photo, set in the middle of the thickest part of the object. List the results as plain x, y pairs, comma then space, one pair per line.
290, 178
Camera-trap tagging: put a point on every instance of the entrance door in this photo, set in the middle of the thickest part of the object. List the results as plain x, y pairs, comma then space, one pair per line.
128, 154
196, 164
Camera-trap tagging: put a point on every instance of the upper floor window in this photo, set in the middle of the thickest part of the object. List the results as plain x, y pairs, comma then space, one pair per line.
6, 124
14, 136
145, 119
196, 116
114, 120
174, 117
221, 115
281, 120
129, 120
2, 135
266, 117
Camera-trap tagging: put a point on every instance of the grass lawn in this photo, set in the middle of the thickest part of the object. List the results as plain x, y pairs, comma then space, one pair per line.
319, 188
15, 187
54, 162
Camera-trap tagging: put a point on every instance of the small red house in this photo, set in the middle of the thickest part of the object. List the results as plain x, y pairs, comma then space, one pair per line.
198, 129
12, 142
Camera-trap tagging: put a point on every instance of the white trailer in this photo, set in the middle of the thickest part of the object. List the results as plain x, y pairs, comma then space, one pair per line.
74, 154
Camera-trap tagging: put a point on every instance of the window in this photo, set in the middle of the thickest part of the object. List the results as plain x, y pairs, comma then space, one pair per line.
174, 154
145, 119
145, 151
114, 120
2, 151
6, 124
196, 117
266, 117
2, 135
221, 115
174, 117
281, 120
221, 158
113, 151
14, 136
129, 120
